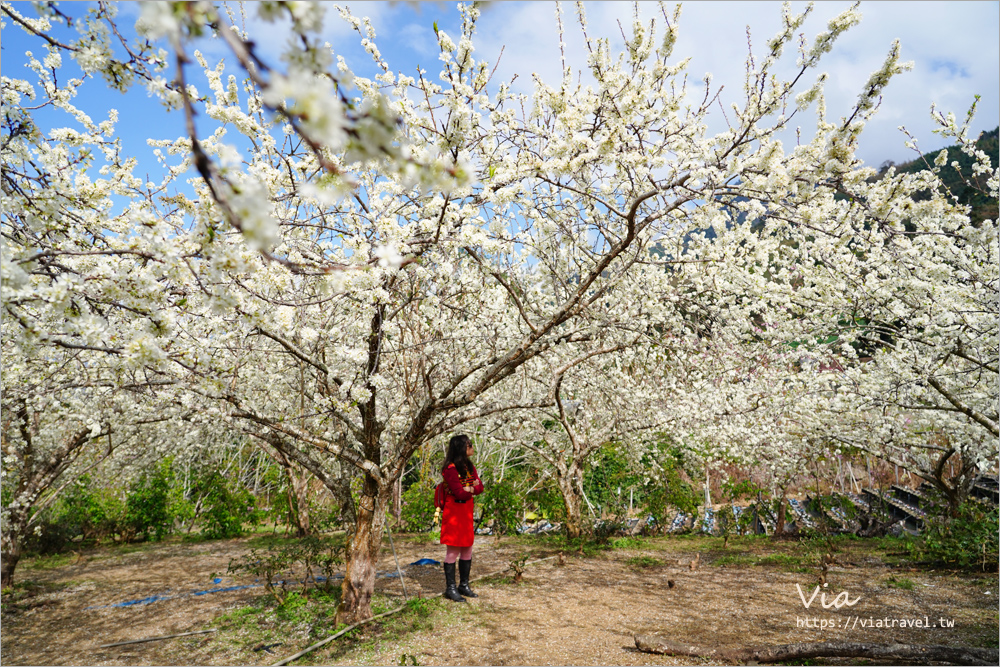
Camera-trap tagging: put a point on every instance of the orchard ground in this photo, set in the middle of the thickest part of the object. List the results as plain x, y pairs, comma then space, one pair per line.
585, 611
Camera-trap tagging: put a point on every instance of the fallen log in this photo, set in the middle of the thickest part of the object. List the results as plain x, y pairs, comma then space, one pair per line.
956, 655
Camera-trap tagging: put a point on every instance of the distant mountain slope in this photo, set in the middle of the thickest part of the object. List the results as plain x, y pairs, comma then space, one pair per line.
983, 207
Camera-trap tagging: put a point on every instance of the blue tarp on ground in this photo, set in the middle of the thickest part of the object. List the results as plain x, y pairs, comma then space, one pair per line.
225, 589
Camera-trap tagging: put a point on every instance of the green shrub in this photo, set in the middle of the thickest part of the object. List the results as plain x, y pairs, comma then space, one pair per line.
968, 540
605, 529
548, 502
501, 507
147, 505
84, 511
669, 495
726, 523
608, 479
669, 492
315, 560
49, 537
226, 506
418, 507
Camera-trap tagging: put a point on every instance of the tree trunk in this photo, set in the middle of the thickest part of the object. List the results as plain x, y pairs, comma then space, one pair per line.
298, 499
955, 488
341, 490
957, 655
779, 519
571, 487
362, 553
11, 545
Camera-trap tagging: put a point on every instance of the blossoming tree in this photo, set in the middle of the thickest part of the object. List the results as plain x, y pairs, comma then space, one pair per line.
357, 267
887, 293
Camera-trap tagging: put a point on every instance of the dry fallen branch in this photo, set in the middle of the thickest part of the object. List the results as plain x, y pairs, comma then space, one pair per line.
959, 655
156, 639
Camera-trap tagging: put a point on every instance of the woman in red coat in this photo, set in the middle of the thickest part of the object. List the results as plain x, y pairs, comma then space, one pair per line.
457, 532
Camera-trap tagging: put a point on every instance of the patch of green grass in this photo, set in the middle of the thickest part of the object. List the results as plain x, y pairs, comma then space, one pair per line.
626, 543
781, 560
734, 560
48, 562
644, 561
361, 646
692, 542
422, 607
197, 538
430, 537
548, 540
591, 549
250, 622
581, 545
901, 583
498, 580
380, 604
300, 620
787, 561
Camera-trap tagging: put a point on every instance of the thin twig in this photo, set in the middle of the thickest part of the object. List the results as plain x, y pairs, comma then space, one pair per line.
156, 639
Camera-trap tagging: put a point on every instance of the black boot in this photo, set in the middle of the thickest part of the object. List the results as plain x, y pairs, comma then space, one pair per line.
464, 566
450, 591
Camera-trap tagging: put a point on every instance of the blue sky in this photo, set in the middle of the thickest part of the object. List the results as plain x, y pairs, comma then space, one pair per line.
955, 47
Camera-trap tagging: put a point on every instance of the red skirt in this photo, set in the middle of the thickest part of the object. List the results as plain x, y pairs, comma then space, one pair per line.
457, 523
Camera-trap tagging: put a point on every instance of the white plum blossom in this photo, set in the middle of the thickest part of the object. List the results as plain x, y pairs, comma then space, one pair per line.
388, 256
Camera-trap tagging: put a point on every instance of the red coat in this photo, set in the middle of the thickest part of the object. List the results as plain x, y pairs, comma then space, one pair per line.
456, 517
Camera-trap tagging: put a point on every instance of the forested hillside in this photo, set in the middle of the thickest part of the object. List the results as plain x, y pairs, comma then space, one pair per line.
957, 175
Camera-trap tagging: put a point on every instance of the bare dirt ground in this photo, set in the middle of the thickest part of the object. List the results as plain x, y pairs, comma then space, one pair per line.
584, 612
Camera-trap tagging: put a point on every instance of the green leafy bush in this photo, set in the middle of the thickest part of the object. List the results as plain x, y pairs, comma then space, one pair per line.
418, 507
84, 511
726, 523
546, 501
968, 540
608, 479
501, 507
147, 505
226, 506
670, 494
50, 537
282, 567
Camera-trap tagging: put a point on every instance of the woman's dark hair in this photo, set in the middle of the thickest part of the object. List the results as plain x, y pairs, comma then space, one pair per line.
458, 453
